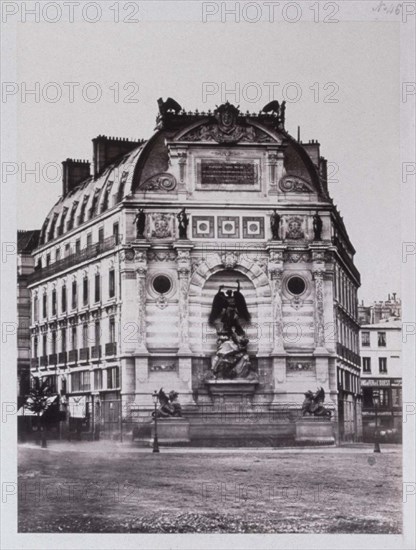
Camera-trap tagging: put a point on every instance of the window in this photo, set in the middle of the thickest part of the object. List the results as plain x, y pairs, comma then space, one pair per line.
35, 346
44, 306
97, 290
85, 291
94, 203
62, 222
44, 344
63, 299
85, 335
104, 204
382, 364
70, 223
101, 235
112, 327
74, 295
67, 250
57, 254
366, 364
81, 216
296, 285
81, 381
48, 259
54, 342
35, 308
77, 246
51, 232
396, 397
120, 192
365, 338
384, 397
112, 378
162, 284
50, 382
97, 333
74, 338
89, 239
54, 301
381, 339
63, 336
98, 379
111, 283
116, 230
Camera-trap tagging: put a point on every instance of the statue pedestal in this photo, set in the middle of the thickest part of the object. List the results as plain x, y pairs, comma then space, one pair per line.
315, 429
231, 391
171, 431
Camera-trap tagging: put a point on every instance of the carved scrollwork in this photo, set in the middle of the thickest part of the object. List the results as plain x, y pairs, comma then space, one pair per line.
161, 256
296, 257
239, 133
295, 184
162, 182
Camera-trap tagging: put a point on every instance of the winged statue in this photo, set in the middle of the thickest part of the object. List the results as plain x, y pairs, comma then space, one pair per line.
229, 307
169, 404
313, 404
228, 311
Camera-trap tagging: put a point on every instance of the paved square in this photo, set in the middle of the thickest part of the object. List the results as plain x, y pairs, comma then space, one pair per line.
87, 488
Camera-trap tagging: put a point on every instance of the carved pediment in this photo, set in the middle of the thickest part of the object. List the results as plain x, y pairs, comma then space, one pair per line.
240, 133
226, 126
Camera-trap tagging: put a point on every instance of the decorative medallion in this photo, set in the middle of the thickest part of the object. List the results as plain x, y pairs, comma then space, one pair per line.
229, 260
228, 227
253, 228
161, 226
294, 228
203, 227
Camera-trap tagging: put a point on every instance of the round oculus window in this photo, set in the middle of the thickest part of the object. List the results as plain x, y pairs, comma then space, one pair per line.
296, 285
162, 284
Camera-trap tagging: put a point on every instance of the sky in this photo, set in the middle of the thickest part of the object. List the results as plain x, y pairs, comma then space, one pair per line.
354, 63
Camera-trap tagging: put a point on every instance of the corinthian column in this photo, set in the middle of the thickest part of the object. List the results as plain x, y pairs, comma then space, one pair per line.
184, 271
141, 270
275, 268
318, 276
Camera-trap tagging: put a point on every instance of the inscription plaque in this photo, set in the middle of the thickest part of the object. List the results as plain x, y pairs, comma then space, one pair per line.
238, 173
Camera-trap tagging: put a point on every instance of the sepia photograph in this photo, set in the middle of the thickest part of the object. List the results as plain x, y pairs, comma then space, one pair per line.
208, 274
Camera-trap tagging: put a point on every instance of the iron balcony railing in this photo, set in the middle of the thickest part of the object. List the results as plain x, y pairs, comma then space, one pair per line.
74, 259
110, 348
95, 352
84, 354
73, 356
347, 354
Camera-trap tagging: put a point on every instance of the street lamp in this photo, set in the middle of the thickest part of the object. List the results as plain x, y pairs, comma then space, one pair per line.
376, 400
155, 398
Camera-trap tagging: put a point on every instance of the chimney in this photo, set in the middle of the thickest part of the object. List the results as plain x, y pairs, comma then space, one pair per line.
107, 150
312, 148
74, 172
394, 296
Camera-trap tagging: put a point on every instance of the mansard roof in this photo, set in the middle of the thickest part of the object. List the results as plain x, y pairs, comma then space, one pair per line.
92, 197
145, 161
